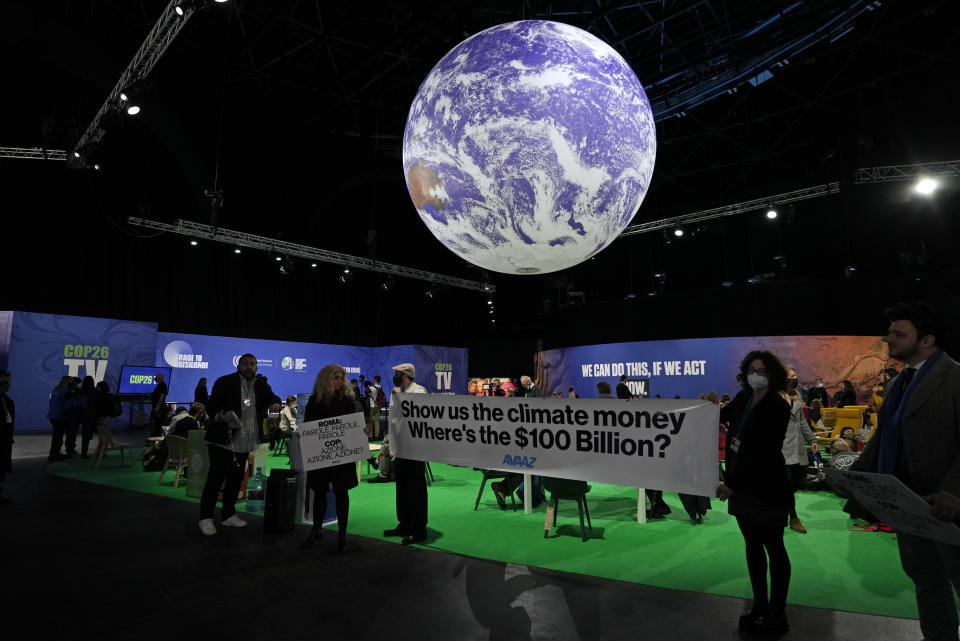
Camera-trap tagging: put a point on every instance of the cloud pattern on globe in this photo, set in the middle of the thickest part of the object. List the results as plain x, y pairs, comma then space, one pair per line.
529, 147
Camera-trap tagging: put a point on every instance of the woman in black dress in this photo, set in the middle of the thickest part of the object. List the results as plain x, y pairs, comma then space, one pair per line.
755, 482
332, 396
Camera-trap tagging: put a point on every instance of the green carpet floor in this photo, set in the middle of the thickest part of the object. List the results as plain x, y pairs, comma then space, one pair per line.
833, 568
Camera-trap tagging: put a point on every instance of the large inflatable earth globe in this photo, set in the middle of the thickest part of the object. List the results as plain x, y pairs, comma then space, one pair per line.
529, 147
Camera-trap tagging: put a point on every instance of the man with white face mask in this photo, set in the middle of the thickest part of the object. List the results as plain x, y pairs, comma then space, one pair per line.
818, 392
755, 483
411, 475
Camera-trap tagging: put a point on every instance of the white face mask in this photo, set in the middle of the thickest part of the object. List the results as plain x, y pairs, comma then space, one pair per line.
820, 385
757, 381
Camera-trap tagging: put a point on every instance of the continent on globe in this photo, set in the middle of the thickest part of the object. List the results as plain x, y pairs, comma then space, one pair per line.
529, 147
423, 185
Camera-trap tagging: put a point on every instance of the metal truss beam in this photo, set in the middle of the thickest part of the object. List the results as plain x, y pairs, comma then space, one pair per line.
163, 33
242, 239
864, 175
733, 210
33, 153
894, 173
676, 101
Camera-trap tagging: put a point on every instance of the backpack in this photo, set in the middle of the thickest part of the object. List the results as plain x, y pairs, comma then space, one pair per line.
381, 400
154, 459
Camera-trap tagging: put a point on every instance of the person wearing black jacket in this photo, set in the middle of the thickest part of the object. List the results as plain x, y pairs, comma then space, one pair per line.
846, 396
238, 406
88, 415
756, 484
8, 413
818, 392
332, 396
200, 394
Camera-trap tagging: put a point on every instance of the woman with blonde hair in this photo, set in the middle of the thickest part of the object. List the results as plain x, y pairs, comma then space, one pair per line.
332, 396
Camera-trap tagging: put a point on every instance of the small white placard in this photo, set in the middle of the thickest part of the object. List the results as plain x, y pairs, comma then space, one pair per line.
332, 441
887, 498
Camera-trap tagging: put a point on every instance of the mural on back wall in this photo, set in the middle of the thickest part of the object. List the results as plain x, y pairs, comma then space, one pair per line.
45, 347
38, 349
689, 367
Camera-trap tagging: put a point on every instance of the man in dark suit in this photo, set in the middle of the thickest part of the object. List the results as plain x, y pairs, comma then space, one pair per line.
918, 441
623, 391
237, 406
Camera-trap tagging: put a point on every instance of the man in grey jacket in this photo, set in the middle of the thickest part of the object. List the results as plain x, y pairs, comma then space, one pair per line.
918, 441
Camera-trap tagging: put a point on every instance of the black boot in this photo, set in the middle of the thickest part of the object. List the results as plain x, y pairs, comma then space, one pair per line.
342, 542
315, 535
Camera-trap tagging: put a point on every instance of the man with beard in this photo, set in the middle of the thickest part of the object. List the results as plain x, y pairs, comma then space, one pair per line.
237, 406
918, 441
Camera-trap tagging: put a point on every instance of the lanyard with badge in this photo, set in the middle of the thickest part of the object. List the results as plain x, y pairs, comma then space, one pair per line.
735, 441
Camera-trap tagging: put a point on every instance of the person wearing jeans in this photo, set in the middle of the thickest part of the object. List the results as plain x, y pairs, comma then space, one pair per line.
238, 404
918, 441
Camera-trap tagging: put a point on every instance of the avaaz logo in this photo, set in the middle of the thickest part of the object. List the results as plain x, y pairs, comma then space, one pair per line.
519, 461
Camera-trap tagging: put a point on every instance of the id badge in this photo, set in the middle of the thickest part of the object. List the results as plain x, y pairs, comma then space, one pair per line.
734, 444
246, 402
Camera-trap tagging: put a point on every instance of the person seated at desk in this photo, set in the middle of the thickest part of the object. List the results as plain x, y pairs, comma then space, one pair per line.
384, 463
288, 416
188, 421
816, 415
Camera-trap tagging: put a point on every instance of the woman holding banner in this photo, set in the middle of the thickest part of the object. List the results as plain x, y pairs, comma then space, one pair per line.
756, 484
332, 396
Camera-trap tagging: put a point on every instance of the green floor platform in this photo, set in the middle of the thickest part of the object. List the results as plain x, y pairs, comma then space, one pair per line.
833, 567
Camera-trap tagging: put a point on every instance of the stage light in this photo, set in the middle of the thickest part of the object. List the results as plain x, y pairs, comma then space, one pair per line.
489, 302
193, 242
346, 270
179, 10
753, 280
727, 283
278, 259
849, 271
76, 154
345, 277
96, 166
926, 186
236, 251
631, 296
431, 293
313, 264
678, 232
133, 110
490, 312
651, 293
771, 214
661, 277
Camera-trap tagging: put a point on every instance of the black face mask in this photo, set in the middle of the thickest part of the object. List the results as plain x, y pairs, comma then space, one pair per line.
793, 383
397, 379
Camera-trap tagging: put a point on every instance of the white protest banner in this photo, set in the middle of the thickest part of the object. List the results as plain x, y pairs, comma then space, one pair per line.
332, 441
887, 498
663, 444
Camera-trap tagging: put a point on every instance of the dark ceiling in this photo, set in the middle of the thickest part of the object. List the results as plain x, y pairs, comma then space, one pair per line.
296, 111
